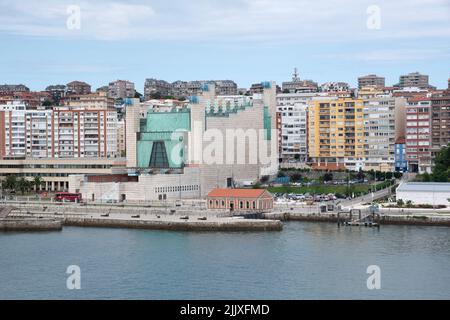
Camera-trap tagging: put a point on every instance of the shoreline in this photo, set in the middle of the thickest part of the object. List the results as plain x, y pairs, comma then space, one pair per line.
409, 220
32, 217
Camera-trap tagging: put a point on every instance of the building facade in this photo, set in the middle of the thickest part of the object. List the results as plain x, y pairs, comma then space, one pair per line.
294, 132
13, 88
371, 80
418, 135
121, 89
414, 79
240, 200
440, 119
401, 165
85, 127
380, 116
78, 87
336, 133
186, 89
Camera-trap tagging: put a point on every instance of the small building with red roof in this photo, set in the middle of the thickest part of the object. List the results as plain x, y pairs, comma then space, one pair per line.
240, 199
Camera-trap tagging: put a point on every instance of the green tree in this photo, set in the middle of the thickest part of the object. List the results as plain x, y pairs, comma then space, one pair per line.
11, 183
38, 182
24, 185
441, 170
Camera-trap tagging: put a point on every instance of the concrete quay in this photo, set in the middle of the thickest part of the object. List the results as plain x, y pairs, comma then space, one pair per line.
180, 219
411, 218
28, 224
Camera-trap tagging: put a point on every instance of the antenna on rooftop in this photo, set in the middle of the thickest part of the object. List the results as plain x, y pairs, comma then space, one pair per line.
295, 76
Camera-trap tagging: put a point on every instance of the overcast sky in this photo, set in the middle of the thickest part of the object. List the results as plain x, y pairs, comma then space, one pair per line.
247, 41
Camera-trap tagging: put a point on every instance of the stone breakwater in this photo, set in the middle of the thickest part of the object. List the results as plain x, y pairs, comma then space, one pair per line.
172, 219
218, 225
30, 224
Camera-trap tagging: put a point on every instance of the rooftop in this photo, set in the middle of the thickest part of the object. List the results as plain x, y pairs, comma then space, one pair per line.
425, 186
239, 193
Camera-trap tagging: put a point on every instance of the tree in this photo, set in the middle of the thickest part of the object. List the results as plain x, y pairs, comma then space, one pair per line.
38, 182
23, 185
328, 177
441, 170
360, 176
296, 177
11, 183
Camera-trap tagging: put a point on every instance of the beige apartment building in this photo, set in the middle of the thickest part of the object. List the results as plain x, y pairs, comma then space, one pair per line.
384, 122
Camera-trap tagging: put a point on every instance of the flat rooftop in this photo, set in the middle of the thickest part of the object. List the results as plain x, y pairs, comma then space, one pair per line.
425, 187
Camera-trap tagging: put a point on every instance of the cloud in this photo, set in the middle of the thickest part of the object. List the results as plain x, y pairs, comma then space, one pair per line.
232, 20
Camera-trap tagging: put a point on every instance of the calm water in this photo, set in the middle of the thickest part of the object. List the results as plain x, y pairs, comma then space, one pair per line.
304, 261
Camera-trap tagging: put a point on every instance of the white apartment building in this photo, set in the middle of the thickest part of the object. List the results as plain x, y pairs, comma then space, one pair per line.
12, 130
64, 132
379, 134
294, 135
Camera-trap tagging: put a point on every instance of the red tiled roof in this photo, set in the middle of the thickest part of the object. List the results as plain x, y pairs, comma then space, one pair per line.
239, 193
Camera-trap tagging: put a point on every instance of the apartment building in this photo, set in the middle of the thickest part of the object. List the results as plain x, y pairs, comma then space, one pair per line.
440, 118
121, 89
336, 133
418, 134
297, 85
185, 89
371, 80
85, 127
57, 92
414, 79
78, 87
121, 138
12, 129
334, 87
294, 132
380, 132
13, 88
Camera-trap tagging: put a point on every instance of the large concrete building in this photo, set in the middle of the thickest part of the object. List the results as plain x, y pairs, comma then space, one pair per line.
336, 133
418, 135
84, 128
185, 153
297, 85
383, 124
428, 193
440, 120
371, 80
13, 88
186, 89
294, 132
414, 79
56, 172
121, 89
78, 87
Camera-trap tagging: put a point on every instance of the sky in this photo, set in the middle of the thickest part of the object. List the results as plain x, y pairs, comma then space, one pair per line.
56, 41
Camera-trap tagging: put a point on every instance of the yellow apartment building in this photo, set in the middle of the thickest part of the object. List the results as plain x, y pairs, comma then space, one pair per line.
336, 133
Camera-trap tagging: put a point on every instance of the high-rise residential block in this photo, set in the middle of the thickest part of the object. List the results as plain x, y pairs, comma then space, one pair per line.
440, 118
121, 89
418, 134
336, 133
78, 87
380, 132
414, 79
13, 88
371, 80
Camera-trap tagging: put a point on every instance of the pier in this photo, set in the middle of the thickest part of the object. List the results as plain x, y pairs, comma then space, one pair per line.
179, 219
